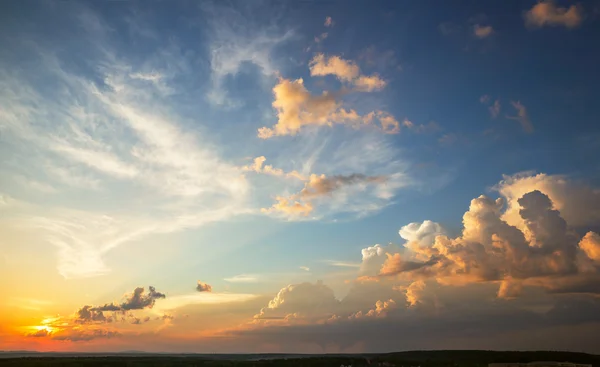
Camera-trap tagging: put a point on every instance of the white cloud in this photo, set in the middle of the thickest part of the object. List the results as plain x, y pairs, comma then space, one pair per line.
243, 278
117, 133
235, 41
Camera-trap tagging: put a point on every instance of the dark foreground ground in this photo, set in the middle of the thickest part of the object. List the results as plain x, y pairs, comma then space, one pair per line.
418, 358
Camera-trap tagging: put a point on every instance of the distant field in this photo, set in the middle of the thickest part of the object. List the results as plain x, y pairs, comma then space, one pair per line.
418, 358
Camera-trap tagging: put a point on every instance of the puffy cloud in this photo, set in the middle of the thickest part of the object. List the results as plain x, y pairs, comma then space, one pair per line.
522, 116
203, 287
490, 250
577, 202
296, 108
329, 22
373, 258
590, 244
421, 233
301, 301
87, 314
546, 12
414, 292
380, 310
346, 71
482, 31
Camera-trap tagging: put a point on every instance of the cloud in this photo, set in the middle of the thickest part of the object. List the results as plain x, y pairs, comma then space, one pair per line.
301, 301
242, 278
346, 71
203, 287
546, 13
522, 116
320, 38
119, 134
258, 166
77, 335
380, 310
139, 299
235, 40
289, 207
576, 201
491, 250
297, 108
482, 31
329, 22
590, 244
343, 264
305, 268
421, 234
319, 186
42, 333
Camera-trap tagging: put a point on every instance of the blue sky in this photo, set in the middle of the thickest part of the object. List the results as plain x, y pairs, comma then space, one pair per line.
261, 145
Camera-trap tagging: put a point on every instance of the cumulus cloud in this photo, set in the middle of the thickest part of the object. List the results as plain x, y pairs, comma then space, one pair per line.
301, 301
590, 244
203, 287
296, 107
491, 250
577, 202
482, 31
522, 117
380, 310
547, 13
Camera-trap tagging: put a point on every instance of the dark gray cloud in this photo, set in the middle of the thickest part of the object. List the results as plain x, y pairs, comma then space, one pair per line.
203, 287
137, 300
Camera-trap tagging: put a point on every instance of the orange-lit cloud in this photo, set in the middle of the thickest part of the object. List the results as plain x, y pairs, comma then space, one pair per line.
482, 31
258, 166
319, 186
546, 12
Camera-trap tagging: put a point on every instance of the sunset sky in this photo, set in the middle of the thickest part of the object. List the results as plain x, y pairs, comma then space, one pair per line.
299, 176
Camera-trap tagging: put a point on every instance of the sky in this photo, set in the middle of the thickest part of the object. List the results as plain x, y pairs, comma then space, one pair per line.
299, 176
